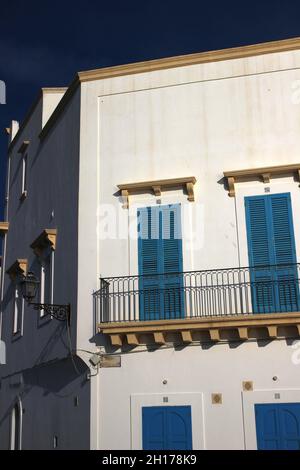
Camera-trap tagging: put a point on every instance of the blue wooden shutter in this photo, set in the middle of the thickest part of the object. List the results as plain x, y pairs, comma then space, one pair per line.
278, 426
271, 243
283, 232
167, 428
287, 292
289, 422
179, 428
160, 262
267, 427
154, 427
149, 262
172, 261
261, 255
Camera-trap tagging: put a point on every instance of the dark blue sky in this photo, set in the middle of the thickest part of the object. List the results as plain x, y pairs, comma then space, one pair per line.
43, 43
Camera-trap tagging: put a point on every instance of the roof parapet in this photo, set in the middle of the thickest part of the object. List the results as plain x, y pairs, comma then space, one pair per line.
161, 64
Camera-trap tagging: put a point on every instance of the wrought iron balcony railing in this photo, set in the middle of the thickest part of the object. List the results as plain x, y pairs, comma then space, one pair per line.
192, 294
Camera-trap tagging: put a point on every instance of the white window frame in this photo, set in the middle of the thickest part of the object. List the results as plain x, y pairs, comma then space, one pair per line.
24, 174
16, 427
48, 256
194, 400
271, 395
18, 310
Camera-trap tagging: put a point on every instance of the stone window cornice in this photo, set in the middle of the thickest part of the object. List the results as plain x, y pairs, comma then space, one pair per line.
157, 186
4, 226
17, 269
264, 174
47, 239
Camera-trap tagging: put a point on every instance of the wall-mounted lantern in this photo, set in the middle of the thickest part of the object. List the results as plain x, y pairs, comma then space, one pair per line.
30, 284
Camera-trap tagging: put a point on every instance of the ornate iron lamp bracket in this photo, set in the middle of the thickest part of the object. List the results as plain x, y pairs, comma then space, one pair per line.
59, 312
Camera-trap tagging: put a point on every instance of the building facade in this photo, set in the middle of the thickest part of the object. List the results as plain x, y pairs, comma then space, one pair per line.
159, 199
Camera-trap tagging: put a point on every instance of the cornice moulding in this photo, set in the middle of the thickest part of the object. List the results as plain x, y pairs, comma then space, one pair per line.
18, 268
157, 186
46, 239
264, 174
4, 226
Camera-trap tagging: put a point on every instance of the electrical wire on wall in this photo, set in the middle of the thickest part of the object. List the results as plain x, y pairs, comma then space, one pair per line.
74, 351
71, 349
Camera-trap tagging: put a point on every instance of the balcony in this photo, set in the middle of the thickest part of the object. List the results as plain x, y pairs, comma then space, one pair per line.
260, 302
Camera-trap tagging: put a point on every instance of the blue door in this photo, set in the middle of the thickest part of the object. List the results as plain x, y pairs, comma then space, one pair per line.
167, 428
272, 253
278, 426
160, 262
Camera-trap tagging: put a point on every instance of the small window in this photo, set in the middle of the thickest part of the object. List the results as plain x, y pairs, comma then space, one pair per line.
18, 310
24, 175
46, 292
16, 426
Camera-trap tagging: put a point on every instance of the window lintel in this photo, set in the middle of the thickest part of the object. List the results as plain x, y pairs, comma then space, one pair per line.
4, 226
45, 240
157, 186
18, 268
264, 174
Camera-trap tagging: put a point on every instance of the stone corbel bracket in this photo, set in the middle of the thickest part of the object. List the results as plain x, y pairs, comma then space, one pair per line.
4, 226
17, 269
264, 174
157, 187
45, 240
243, 328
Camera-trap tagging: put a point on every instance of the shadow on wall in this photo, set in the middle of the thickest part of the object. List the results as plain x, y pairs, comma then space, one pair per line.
56, 377
50, 390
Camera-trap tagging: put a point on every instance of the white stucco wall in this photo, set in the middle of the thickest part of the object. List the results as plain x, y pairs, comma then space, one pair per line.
197, 121
193, 374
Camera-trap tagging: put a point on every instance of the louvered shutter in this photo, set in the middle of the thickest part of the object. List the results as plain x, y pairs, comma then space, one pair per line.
149, 260
160, 262
172, 261
260, 252
284, 252
271, 243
